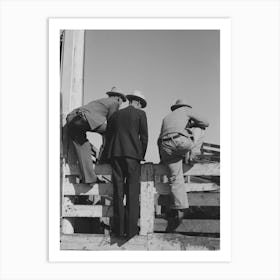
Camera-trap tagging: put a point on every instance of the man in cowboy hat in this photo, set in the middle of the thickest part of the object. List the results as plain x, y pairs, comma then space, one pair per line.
175, 140
126, 144
91, 117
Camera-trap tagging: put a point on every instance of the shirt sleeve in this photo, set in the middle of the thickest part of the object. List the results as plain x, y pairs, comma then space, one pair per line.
112, 109
197, 120
144, 133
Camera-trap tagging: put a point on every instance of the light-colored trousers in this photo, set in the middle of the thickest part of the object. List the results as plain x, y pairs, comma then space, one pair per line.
198, 135
172, 153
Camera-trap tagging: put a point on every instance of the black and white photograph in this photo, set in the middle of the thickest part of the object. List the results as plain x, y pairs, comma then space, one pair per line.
140, 140
132, 142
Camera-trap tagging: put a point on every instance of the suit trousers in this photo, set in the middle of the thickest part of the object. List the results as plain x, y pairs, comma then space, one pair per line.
78, 128
126, 181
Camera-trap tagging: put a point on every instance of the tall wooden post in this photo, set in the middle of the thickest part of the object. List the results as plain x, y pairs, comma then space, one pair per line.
147, 211
72, 73
72, 70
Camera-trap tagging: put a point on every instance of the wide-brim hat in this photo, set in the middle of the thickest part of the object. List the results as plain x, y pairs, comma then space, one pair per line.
137, 95
116, 92
180, 103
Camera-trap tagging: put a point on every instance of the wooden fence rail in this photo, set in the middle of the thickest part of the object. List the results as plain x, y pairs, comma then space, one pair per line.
153, 195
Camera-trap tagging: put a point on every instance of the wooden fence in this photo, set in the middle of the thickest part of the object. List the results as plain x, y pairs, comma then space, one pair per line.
202, 186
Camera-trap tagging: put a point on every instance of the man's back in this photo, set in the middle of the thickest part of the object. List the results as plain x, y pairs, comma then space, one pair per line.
127, 134
99, 110
177, 121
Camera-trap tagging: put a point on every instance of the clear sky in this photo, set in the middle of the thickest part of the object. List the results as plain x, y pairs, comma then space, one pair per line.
165, 65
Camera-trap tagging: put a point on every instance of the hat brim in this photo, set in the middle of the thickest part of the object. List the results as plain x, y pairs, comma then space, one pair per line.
176, 106
113, 93
142, 101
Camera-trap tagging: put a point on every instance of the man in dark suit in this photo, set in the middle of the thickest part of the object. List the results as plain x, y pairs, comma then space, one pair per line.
126, 144
91, 117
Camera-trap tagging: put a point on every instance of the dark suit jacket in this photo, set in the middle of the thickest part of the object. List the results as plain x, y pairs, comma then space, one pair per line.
127, 134
97, 112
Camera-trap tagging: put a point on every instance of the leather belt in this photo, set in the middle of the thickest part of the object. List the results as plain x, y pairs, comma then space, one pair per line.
170, 138
176, 136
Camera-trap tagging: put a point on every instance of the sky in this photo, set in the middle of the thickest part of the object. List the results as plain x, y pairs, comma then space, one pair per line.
165, 65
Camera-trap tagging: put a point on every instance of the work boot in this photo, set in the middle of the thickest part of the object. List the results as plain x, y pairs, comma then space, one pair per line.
175, 221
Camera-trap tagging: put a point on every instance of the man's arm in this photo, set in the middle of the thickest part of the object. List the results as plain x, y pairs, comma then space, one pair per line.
144, 132
198, 121
112, 109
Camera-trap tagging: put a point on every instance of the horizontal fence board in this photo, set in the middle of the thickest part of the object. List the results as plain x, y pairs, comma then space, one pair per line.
151, 242
107, 189
164, 188
195, 212
212, 152
195, 199
175, 241
208, 156
97, 242
85, 189
211, 145
198, 226
198, 169
210, 148
205, 179
87, 211
100, 169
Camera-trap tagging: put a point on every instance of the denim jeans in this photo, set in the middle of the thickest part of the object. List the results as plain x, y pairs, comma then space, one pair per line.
172, 153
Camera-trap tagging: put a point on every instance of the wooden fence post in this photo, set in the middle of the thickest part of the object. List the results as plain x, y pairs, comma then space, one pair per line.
67, 224
71, 91
147, 199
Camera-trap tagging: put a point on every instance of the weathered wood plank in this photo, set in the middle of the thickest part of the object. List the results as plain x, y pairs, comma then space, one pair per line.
211, 145
85, 189
68, 224
164, 188
196, 213
212, 152
151, 242
160, 242
97, 242
197, 169
209, 158
195, 199
159, 169
100, 169
72, 71
87, 211
191, 226
147, 200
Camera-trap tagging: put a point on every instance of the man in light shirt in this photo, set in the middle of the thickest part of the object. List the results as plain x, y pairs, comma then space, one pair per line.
182, 131
91, 117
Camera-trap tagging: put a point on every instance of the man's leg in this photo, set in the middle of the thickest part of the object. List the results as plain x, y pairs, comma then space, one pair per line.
77, 130
199, 136
118, 195
179, 198
132, 196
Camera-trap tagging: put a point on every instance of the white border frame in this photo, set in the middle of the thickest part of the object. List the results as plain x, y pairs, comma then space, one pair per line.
224, 25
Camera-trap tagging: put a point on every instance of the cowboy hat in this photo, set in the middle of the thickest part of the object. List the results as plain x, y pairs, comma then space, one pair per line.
137, 95
179, 103
115, 92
